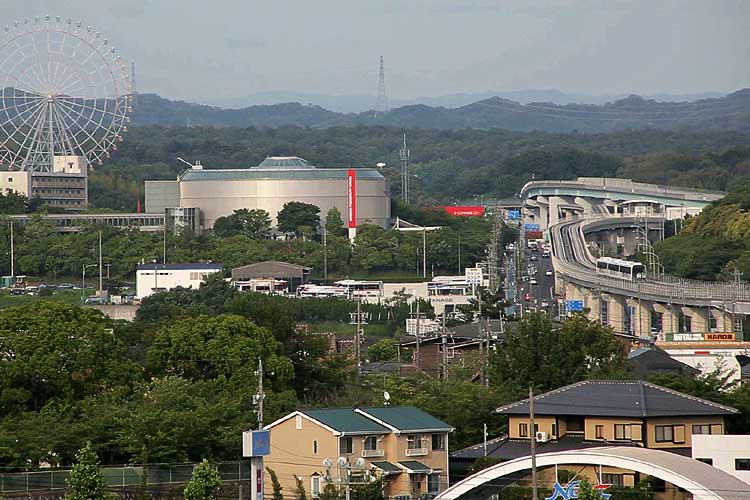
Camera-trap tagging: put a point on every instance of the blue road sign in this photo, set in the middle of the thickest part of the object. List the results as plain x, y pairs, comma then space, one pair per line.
531, 227
574, 305
514, 214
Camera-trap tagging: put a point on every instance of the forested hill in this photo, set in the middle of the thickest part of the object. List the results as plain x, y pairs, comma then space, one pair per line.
731, 112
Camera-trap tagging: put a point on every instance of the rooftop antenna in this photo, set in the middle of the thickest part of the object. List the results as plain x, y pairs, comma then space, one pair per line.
381, 107
404, 154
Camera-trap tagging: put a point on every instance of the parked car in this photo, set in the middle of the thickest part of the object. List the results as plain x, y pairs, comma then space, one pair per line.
549, 272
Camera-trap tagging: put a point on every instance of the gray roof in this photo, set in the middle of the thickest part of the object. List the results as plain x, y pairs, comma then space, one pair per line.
256, 173
293, 162
345, 420
503, 448
617, 398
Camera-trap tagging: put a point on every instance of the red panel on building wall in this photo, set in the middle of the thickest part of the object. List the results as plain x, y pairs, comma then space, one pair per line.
352, 196
464, 211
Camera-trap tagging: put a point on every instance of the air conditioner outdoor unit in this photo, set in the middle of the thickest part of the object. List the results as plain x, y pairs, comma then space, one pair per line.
542, 437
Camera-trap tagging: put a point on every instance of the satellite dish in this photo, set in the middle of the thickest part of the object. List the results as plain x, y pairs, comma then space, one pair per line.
343, 462
327, 463
381, 164
359, 463
386, 396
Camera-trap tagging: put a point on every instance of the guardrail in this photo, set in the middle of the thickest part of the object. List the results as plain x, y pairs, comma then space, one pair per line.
119, 477
667, 288
623, 185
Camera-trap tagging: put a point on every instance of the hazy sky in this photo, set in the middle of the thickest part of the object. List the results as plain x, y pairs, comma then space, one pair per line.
193, 49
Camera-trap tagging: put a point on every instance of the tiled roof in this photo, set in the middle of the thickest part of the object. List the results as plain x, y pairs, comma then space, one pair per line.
345, 420
617, 398
406, 418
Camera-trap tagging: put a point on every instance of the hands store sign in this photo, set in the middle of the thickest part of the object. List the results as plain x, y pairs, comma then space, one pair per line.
570, 491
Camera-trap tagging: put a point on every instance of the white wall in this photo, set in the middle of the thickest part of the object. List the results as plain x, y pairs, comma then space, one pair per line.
167, 279
723, 450
710, 359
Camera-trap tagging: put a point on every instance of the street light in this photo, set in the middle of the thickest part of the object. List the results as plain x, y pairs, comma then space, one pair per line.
83, 281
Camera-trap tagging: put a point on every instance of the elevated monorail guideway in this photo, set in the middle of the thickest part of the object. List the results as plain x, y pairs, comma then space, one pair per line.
572, 259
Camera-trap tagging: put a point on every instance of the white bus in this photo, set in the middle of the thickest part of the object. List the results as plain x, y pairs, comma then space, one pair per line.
369, 291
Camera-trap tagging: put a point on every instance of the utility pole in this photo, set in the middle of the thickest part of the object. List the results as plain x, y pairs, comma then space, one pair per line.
359, 338
260, 395
417, 361
444, 341
325, 256
381, 106
164, 245
101, 274
404, 156
12, 256
532, 433
424, 252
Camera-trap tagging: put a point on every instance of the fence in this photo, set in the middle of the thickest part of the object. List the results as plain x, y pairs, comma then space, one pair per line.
119, 477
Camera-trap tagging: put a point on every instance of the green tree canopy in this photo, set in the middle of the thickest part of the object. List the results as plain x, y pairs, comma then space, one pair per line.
204, 348
296, 215
255, 223
204, 482
86, 481
60, 352
382, 350
540, 354
334, 223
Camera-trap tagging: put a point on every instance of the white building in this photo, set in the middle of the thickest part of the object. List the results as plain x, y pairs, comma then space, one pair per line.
709, 356
151, 278
730, 453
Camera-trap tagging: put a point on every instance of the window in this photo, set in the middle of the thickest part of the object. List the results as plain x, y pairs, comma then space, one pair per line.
709, 461
702, 429
664, 434
433, 483
742, 464
554, 430
10, 179
345, 446
523, 430
315, 485
298, 422
622, 432
613, 479
371, 443
599, 432
438, 442
315, 447
414, 441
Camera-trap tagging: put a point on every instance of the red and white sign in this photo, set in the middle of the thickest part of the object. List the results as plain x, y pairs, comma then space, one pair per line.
465, 211
352, 197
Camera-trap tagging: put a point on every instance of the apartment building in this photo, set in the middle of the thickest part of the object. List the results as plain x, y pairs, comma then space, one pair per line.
596, 413
402, 444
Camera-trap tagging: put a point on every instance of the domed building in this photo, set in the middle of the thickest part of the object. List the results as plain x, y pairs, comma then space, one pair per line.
213, 193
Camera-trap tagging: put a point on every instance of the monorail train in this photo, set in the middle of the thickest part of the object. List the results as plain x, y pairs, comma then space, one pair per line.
618, 268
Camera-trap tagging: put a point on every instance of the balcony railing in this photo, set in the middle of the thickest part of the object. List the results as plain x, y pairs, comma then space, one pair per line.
372, 453
416, 452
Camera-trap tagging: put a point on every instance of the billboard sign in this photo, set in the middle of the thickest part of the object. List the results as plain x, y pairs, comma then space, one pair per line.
464, 211
570, 491
474, 275
574, 305
351, 183
256, 443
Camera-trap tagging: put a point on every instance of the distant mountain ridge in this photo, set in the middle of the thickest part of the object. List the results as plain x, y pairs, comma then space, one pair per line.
731, 112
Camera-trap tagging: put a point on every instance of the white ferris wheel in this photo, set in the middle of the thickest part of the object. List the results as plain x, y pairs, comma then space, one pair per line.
64, 91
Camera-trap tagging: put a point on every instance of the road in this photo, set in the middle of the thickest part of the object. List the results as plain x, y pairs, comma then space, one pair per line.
543, 290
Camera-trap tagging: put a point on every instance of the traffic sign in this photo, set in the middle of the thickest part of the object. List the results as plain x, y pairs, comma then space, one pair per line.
531, 227
514, 214
574, 305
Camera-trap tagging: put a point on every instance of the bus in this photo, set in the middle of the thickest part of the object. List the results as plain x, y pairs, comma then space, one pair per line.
622, 269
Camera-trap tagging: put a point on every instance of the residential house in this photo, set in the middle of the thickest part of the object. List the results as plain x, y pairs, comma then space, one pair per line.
597, 413
403, 444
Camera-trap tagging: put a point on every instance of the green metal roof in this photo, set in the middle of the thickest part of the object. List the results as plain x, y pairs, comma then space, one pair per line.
257, 173
284, 162
414, 467
345, 420
388, 468
407, 418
